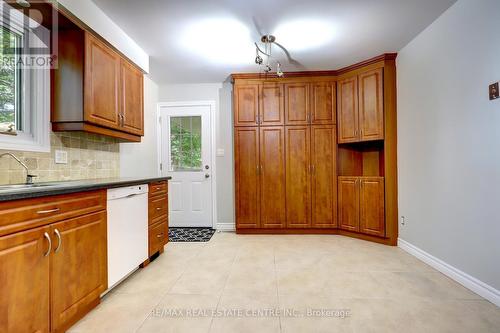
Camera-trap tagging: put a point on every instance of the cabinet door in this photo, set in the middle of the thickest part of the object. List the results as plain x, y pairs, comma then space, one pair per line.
246, 159
324, 179
349, 203
102, 76
347, 110
372, 219
79, 267
246, 105
371, 105
297, 103
271, 104
272, 178
132, 105
323, 103
298, 176
24, 282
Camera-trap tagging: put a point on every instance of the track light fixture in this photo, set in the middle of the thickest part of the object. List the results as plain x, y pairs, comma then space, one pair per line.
268, 41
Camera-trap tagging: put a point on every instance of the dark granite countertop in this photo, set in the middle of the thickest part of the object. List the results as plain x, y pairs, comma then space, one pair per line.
65, 187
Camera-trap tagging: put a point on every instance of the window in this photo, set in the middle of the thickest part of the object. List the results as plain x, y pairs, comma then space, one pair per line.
10, 82
185, 143
24, 85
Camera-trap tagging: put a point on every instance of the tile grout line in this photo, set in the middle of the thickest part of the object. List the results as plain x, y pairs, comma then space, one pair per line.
164, 294
277, 286
222, 291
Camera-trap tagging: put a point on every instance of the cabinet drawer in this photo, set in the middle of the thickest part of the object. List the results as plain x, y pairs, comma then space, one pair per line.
157, 188
158, 206
24, 214
157, 237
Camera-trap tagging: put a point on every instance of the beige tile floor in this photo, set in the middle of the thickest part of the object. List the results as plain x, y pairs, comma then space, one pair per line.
348, 285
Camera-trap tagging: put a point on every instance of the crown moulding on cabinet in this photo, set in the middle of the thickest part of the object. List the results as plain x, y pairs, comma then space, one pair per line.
335, 72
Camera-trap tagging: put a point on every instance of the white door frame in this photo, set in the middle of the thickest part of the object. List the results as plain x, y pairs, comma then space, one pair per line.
159, 144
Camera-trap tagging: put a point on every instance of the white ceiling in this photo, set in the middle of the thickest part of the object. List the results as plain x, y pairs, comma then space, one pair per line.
196, 41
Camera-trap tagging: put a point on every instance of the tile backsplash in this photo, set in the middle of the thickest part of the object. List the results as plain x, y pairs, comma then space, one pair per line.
90, 156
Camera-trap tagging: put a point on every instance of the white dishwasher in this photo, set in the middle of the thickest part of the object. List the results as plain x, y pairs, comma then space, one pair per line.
127, 231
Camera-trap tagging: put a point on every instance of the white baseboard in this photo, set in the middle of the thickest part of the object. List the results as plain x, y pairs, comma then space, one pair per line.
469, 282
225, 226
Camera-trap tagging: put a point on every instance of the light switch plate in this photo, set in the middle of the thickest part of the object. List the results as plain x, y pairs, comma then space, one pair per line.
220, 152
61, 157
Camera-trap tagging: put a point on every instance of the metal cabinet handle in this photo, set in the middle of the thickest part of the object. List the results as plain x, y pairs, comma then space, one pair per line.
47, 237
59, 240
48, 211
158, 188
158, 208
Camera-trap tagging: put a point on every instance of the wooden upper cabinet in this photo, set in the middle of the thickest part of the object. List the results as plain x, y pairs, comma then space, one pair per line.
324, 179
95, 89
79, 267
371, 105
272, 177
360, 109
247, 185
24, 282
271, 104
323, 103
298, 176
102, 87
297, 103
349, 203
132, 99
246, 105
372, 217
347, 110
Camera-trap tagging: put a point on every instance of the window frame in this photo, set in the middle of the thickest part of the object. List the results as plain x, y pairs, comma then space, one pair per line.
35, 89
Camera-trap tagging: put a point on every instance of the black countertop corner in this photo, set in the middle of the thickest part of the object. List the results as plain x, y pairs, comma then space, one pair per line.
66, 187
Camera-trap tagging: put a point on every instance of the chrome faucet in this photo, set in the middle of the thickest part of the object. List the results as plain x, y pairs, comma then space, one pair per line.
29, 177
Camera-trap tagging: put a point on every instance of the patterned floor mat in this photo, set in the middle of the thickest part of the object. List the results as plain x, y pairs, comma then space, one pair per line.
190, 234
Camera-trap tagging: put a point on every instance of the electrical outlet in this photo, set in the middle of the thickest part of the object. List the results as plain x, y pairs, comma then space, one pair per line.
403, 220
494, 92
61, 157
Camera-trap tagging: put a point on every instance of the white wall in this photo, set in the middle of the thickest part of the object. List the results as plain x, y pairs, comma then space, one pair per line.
221, 93
449, 139
95, 18
141, 159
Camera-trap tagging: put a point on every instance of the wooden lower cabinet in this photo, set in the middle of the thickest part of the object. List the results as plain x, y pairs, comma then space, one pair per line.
272, 177
361, 205
247, 183
324, 179
78, 269
372, 210
24, 281
349, 203
158, 218
298, 176
52, 275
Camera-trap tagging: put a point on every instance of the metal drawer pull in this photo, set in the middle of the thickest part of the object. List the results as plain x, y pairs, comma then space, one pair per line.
158, 188
59, 240
48, 211
159, 235
158, 208
46, 235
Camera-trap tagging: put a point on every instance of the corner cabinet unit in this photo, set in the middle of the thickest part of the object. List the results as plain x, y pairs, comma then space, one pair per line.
95, 89
315, 152
53, 260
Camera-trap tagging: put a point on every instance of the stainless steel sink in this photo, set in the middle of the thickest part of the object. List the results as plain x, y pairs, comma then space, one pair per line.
22, 186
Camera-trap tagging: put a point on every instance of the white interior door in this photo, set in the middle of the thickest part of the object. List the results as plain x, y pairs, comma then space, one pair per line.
186, 150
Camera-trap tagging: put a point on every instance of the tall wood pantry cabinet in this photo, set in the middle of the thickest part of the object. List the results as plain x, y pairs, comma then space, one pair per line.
315, 152
285, 155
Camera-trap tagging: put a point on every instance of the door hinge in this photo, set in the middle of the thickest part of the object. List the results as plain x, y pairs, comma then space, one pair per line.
159, 120
161, 166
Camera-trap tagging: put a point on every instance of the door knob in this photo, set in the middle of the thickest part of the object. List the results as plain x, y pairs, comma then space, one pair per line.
207, 175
